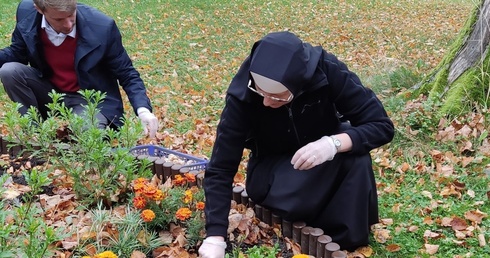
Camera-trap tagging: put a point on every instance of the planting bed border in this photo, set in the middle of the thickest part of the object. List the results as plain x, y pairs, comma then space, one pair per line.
312, 241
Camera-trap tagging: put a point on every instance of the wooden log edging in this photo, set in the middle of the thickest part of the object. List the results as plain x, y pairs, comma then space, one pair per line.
313, 241
11, 148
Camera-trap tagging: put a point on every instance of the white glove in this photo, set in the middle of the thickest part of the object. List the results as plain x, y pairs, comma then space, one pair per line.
149, 121
212, 247
314, 153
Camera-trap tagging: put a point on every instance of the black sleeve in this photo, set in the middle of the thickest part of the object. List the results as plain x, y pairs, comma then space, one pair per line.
226, 156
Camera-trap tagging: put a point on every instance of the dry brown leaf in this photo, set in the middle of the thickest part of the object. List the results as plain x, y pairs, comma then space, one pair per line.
404, 167
446, 222
386, 221
431, 249
254, 234
459, 234
176, 230
430, 234
366, 251
475, 216
382, 235
481, 240
234, 222
180, 240
69, 244
393, 248
428, 221
470, 193
396, 208
458, 223
427, 194
90, 249
448, 191
295, 248
165, 237
137, 254
10, 194
355, 254
171, 251
447, 171
413, 228
466, 160
243, 226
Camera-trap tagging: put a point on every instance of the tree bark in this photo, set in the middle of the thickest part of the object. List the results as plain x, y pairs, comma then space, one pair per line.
461, 80
474, 48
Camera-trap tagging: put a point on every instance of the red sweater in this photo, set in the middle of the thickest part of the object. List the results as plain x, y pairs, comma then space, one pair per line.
61, 59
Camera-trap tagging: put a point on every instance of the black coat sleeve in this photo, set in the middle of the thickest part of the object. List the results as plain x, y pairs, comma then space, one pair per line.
227, 153
371, 126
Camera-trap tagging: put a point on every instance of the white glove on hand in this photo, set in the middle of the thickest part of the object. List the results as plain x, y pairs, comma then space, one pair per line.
149, 121
314, 153
212, 247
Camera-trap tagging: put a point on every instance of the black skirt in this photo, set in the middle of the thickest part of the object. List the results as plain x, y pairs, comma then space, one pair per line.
338, 196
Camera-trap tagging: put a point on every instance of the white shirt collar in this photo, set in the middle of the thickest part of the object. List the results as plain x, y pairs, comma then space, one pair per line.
53, 36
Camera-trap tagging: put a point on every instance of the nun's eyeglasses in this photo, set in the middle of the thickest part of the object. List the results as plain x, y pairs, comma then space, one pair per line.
267, 96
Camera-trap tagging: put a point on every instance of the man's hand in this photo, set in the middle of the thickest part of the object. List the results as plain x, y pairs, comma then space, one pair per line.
149, 121
213, 247
314, 153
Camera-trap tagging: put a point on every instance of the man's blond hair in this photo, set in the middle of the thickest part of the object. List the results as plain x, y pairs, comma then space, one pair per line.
60, 5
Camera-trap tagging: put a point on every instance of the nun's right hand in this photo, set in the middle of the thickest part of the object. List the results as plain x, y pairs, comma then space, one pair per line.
212, 247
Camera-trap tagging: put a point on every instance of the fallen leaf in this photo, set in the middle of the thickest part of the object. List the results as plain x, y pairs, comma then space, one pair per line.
458, 223
393, 248
431, 249
10, 194
475, 216
137, 254
430, 234
382, 235
365, 250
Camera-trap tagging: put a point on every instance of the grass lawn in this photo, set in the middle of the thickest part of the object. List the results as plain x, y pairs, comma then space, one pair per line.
188, 51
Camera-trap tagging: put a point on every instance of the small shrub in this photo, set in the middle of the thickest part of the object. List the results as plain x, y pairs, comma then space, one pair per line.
97, 160
122, 233
23, 232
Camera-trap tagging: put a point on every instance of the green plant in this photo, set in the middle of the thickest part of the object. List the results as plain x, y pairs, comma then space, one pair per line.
179, 204
24, 233
121, 233
256, 251
96, 159
263, 251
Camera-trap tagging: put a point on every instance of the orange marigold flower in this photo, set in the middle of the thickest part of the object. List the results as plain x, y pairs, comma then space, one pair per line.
140, 180
147, 215
183, 214
149, 191
188, 196
158, 196
139, 202
200, 205
138, 187
178, 180
190, 177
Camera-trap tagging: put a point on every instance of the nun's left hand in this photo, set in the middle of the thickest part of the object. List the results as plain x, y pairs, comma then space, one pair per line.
314, 153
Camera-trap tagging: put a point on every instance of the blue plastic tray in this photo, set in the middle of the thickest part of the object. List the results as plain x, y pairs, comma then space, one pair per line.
191, 162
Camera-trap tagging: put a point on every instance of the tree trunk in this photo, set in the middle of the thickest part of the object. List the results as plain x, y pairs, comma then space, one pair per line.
461, 80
